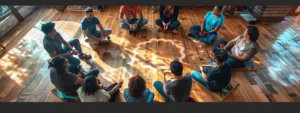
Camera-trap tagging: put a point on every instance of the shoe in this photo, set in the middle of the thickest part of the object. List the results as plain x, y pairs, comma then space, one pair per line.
191, 35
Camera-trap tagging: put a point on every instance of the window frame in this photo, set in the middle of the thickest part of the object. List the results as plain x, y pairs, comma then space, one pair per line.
10, 12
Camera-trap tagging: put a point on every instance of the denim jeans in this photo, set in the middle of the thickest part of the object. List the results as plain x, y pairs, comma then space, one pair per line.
114, 96
173, 25
76, 44
134, 21
208, 38
196, 75
159, 87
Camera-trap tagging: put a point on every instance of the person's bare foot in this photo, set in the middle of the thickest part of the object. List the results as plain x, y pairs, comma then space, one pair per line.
175, 31
84, 56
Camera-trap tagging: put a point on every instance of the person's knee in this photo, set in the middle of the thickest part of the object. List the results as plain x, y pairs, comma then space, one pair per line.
212, 38
123, 25
158, 21
156, 83
74, 61
144, 21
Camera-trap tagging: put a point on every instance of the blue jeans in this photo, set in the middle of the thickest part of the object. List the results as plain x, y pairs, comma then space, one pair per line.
134, 21
114, 96
151, 97
208, 38
76, 44
196, 75
234, 63
97, 33
159, 87
173, 25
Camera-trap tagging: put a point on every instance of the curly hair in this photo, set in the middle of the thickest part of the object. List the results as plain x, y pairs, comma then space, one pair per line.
137, 86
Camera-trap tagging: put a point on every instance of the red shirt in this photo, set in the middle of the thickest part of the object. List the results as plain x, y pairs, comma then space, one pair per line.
130, 11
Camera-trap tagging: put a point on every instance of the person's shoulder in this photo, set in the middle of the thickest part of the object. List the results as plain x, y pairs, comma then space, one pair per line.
53, 71
84, 19
187, 76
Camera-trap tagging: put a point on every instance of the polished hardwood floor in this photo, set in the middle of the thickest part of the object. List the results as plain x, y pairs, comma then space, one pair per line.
24, 73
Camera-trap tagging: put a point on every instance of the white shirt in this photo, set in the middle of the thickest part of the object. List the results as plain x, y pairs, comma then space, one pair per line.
100, 96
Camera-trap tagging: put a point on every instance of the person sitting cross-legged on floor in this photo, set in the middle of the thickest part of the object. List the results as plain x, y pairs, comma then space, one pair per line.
132, 19
89, 24
168, 18
219, 76
67, 77
92, 91
137, 91
55, 45
177, 89
207, 32
241, 49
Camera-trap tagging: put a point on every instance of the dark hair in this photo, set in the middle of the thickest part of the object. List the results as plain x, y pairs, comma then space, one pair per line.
137, 86
88, 10
47, 27
58, 63
220, 54
90, 85
176, 68
167, 12
253, 32
219, 7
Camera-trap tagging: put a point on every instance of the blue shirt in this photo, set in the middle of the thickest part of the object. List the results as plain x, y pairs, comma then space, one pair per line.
212, 22
89, 25
129, 98
219, 77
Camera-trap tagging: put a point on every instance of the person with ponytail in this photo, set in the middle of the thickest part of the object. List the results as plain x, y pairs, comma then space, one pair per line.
93, 91
66, 77
219, 76
137, 91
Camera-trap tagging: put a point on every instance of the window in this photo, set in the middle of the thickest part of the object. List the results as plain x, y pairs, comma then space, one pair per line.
4, 11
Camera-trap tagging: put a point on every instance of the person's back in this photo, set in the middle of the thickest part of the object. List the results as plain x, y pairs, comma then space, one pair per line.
179, 90
219, 77
100, 96
64, 82
143, 98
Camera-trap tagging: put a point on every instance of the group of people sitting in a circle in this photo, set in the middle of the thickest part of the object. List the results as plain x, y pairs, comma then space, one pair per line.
72, 82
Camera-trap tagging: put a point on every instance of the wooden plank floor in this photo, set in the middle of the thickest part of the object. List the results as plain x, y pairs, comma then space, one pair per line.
24, 76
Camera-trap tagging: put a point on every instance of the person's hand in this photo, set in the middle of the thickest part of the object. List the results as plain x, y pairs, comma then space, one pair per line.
229, 53
102, 40
120, 83
165, 72
164, 23
131, 26
75, 52
80, 74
